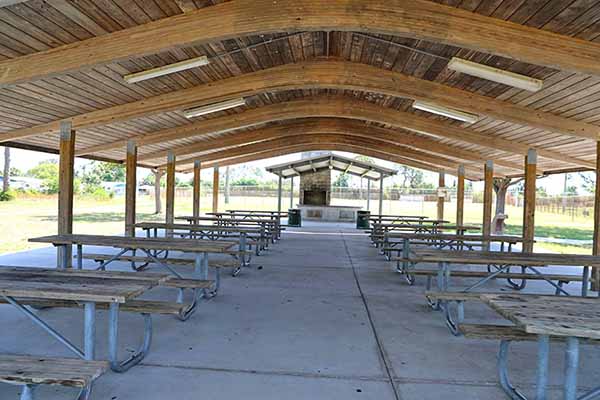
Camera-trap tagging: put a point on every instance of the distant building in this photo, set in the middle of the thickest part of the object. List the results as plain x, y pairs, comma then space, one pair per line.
23, 183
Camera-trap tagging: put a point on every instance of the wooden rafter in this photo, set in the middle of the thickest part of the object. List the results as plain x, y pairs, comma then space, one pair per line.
331, 147
327, 126
373, 144
416, 19
341, 107
322, 74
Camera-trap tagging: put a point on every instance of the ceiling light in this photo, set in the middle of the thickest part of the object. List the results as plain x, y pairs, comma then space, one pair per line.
211, 108
495, 74
167, 69
446, 112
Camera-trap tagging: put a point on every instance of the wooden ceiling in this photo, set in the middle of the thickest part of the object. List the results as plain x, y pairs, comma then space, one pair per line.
304, 73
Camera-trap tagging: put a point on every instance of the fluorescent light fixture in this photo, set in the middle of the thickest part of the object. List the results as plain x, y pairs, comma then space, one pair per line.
167, 69
211, 108
446, 112
495, 74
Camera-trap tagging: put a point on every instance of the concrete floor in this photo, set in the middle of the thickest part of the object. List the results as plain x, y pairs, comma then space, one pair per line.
320, 315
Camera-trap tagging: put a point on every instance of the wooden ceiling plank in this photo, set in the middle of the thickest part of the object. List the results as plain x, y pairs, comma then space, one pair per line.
324, 74
418, 19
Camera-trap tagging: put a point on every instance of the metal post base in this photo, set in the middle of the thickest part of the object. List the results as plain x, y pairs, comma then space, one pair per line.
113, 339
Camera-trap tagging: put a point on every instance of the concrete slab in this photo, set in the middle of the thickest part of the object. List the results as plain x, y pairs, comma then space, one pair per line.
311, 319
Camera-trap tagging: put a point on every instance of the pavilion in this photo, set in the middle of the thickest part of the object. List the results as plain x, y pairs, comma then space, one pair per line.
476, 89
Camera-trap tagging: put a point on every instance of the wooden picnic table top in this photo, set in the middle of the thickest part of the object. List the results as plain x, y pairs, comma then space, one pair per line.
195, 227
236, 220
503, 258
127, 242
420, 217
229, 216
257, 212
549, 315
454, 237
439, 227
420, 221
76, 285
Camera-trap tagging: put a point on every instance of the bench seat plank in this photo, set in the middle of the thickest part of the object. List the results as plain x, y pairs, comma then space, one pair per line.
503, 275
505, 332
170, 260
30, 370
135, 306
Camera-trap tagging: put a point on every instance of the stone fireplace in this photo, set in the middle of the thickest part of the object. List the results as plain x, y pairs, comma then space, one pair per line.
315, 188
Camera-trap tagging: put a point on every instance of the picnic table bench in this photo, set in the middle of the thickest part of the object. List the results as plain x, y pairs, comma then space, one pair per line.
22, 287
498, 263
542, 318
30, 371
150, 246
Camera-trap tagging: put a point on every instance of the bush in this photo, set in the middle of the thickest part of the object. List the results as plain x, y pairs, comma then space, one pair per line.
97, 192
6, 195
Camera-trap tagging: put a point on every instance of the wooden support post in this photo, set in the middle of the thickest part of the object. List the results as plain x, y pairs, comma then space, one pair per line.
65, 187
291, 192
381, 195
279, 189
460, 196
441, 198
488, 191
215, 197
596, 246
196, 189
158, 174
368, 195
130, 188
170, 206
529, 203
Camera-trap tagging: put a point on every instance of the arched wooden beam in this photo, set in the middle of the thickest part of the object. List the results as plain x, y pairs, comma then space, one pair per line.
332, 147
323, 74
415, 18
330, 139
330, 126
339, 107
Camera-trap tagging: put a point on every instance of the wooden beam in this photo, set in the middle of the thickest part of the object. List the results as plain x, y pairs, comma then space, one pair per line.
215, 196
460, 196
329, 125
441, 199
130, 188
416, 19
66, 175
170, 200
596, 245
337, 107
488, 191
529, 200
196, 186
324, 138
324, 74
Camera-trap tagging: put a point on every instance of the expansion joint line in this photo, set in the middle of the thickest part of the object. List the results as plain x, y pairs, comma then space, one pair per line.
386, 362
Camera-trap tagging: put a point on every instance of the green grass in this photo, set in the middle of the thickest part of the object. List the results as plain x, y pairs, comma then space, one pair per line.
23, 218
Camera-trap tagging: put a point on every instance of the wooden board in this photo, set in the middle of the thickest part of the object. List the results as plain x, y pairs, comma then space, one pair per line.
554, 316
505, 258
196, 228
98, 286
73, 372
452, 237
183, 245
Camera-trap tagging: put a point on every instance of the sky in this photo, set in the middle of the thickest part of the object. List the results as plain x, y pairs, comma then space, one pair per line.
25, 159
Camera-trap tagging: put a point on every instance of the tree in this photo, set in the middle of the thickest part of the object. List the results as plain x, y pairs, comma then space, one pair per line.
501, 186
96, 172
341, 181
6, 174
47, 172
589, 182
411, 178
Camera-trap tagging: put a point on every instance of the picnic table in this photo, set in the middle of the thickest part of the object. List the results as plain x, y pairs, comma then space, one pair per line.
270, 225
19, 286
407, 220
380, 230
501, 263
209, 232
572, 319
445, 240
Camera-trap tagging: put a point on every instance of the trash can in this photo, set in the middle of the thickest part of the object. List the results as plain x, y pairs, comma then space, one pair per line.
362, 219
294, 218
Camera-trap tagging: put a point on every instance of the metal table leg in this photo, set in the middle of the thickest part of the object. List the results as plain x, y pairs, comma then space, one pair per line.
113, 341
